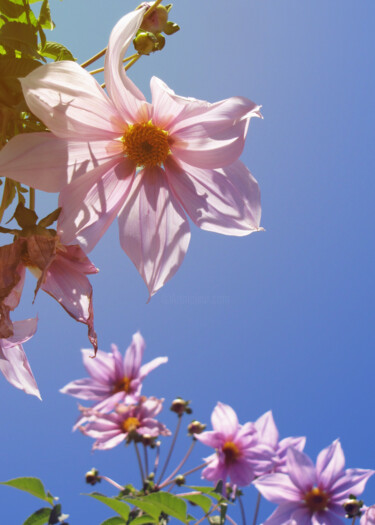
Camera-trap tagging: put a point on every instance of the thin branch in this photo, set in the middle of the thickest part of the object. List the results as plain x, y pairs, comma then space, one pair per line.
139, 463
184, 474
243, 516
94, 58
171, 449
112, 482
182, 463
257, 509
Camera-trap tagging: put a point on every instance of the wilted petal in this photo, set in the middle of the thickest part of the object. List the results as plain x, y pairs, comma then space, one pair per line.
91, 202
71, 103
127, 98
154, 231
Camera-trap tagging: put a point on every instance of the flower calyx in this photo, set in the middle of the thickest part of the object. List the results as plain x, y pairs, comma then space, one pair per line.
179, 406
352, 507
195, 427
92, 477
149, 37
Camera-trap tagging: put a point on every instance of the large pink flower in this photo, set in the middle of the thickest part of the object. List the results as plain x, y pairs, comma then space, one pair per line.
13, 361
148, 164
239, 454
312, 494
114, 378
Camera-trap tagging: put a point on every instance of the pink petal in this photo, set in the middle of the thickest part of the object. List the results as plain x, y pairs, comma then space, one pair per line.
211, 438
48, 163
71, 103
86, 389
133, 356
110, 441
224, 420
23, 331
154, 231
278, 488
127, 98
72, 289
91, 202
329, 464
215, 471
267, 429
301, 470
282, 515
100, 368
150, 366
241, 473
118, 362
325, 518
352, 482
225, 201
12, 300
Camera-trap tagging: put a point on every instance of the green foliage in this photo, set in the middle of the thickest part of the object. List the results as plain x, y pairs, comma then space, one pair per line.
201, 501
115, 504
39, 517
55, 51
114, 521
31, 485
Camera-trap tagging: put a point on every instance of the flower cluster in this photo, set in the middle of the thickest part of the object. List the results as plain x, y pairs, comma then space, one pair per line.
119, 412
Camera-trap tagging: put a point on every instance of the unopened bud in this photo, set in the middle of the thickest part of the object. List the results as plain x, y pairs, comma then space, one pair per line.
352, 507
195, 427
145, 43
92, 477
156, 20
180, 406
170, 28
161, 41
147, 440
180, 480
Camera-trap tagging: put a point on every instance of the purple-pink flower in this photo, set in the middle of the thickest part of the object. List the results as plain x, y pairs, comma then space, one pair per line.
125, 423
239, 455
148, 164
13, 361
113, 379
268, 434
312, 494
368, 517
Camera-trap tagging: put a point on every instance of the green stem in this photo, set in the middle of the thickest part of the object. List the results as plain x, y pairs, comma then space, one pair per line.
139, 463
133, 61
230, 519
184, 474
101, 69
208, 513
146, 460
182, 463
171, 449
257, 509
94, 58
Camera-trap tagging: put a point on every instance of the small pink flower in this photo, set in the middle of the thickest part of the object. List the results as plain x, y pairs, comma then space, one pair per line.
148, 164
268, 434
312, 494
13, 361
239, 454
114, 379
125, 423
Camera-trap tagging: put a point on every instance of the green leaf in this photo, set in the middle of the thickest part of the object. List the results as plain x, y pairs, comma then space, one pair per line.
203, 502
114, 521
10, 9
40, 517
142, 520
207, 490
17, 67
31, 485
168, 503
115, 504
146, 506
55, 51
45, 19
19, 36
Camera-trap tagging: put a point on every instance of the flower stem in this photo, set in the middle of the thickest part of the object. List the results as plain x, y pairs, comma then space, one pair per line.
157, 457
133, 61
146, 460
94, 58
184, 474
353, 521
256, 509
32, 198
171, 449
139, 463
101, 69
243, 516
230, 519
154, 6
114, 483
208, 513
182, 462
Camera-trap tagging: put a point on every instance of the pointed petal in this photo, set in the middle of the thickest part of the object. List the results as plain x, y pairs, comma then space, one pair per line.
91, 202
71, 103
325, 518
241, 473
301, 470
278, 488
225, 201
330, 463
118, 362
16, 369
282, 515
133, 356
150, 366
101, 368
127, 98
86, 389
23, 331
211, 438
267, 429
224, 420
48, 163
154, 231
352, 482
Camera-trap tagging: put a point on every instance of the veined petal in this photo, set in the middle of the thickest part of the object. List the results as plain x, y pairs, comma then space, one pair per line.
225, 201
278, 488
101, 369
48, 163
127, 98
133, 356
91, 202
330, 464
71, 103
353, 481
150, 366
224, 420
86, 389
23, 331
154, 231
301, 470
267, 429
211, 438
282, 515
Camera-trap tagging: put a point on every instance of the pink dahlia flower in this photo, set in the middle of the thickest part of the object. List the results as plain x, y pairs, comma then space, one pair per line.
13, 361
239, 454
125, 423
312, 494
148, 164
268, 434
113, 379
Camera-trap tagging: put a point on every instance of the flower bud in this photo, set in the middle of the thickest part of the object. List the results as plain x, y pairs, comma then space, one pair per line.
352, 507
170, 28
92, 477
180, 480
148, 440
161, 41
180, 406
156, 20
145, 43
195, 427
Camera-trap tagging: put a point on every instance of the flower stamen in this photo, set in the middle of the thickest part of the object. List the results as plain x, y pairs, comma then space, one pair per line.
130, 424
316, 499
146, 145
122, 386
231, 452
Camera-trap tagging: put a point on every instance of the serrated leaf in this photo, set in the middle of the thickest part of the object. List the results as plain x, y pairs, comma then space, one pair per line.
55, 51
31, 485
115, 504
11, 9
114, 521
45, 19
40, 517
19, 36
203, 502
17, 67
168, 503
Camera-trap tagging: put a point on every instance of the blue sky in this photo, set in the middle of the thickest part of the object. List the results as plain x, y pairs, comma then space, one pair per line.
282, 319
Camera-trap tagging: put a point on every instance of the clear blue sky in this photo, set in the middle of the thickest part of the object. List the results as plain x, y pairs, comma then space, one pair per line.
280, 320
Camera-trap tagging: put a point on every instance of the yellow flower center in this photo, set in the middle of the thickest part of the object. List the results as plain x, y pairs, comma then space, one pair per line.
146, 145
122, 386
231, 452
316, 499
130, 424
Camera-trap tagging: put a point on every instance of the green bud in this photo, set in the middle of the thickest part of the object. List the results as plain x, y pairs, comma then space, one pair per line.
145, 43
170, 28
161, 41
92, 476
156, 20
180, 406
352, 507
195, 427
180, 480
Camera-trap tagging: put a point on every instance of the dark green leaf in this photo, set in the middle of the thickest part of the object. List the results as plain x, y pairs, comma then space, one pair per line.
118, 506
31, 485
17, 67
203, 502
114, 521
55, 51
10, 9
19, 36
142, 520
148, 507
40, 517
207, 490
45, 19
168, 503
